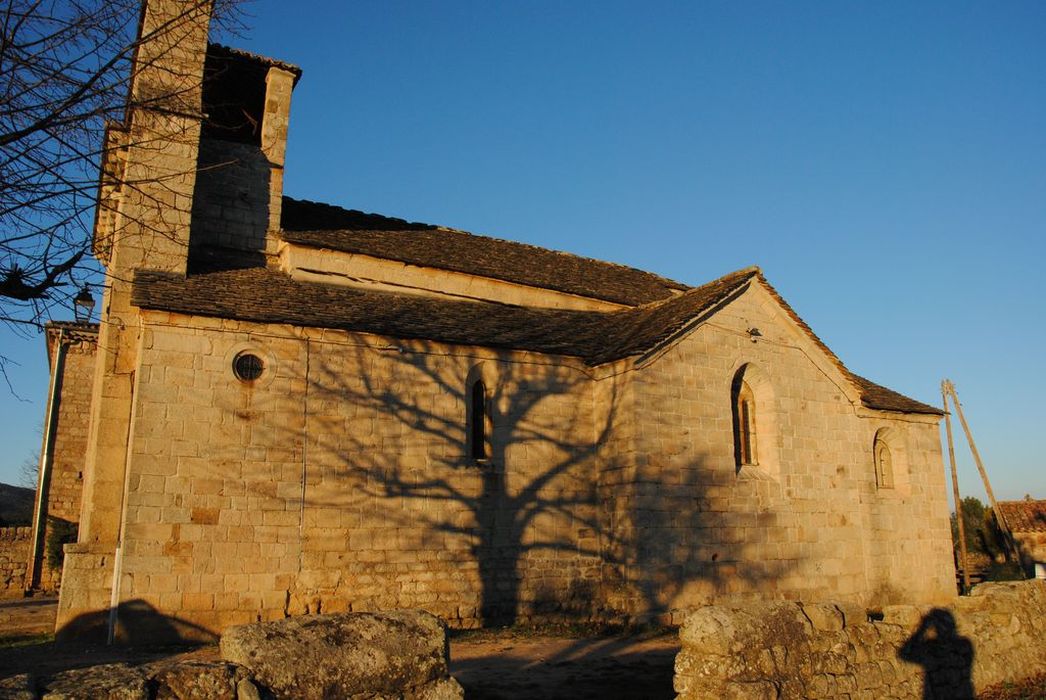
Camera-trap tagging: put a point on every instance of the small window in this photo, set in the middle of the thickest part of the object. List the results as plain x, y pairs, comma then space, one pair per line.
744, 423
883, 463
247, 367
477, 420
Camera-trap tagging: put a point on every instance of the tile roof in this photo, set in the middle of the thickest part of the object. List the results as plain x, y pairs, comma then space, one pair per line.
350, 231
1024, 516
268, 296
222, 51
875, 396
75, 331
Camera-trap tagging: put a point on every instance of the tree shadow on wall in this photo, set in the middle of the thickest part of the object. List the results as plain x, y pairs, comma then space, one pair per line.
551, 514
701, 536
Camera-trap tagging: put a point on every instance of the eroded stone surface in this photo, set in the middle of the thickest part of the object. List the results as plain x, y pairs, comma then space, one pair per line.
787, 650
109, 681
344, 655
198, 680
20, 687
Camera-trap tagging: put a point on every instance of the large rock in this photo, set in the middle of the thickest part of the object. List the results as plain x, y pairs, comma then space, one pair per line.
197, 680
109, 681
394, 654
20, 687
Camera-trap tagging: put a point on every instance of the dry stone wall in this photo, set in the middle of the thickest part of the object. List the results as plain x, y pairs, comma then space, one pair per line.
796, 650
14, 553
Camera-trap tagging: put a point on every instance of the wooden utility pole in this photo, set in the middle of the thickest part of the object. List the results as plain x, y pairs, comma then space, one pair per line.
947, 386
965, 559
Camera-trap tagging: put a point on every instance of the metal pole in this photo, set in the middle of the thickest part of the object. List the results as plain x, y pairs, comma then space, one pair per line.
35, 564
955, 491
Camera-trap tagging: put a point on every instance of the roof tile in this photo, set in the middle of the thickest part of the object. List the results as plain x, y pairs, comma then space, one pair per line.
267, 296
1024, 516
350, 231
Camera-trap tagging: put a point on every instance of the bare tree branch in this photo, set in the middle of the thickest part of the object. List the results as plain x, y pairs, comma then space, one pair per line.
65, 72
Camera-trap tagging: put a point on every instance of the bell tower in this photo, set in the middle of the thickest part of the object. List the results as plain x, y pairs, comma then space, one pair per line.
143, 222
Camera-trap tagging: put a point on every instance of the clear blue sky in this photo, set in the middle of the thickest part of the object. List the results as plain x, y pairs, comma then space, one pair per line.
884, 163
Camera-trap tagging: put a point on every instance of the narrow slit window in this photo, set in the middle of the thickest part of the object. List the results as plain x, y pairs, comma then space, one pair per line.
477, 421
744, 424
747, 436
883, 464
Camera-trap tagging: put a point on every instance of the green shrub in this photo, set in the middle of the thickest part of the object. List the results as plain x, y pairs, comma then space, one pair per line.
60, 533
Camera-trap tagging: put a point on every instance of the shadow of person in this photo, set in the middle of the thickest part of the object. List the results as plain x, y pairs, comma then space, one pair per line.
946, 657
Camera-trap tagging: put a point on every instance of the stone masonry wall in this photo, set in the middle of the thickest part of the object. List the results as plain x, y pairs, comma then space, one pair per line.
231, 203
339, 481
83, 607
808, 522
65, 486
14, 552
398, 515
802, 650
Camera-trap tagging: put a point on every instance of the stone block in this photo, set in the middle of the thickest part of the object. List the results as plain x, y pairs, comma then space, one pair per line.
196, 680
397, 653
111, 681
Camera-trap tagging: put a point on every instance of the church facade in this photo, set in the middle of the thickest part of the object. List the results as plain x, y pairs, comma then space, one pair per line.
298, 408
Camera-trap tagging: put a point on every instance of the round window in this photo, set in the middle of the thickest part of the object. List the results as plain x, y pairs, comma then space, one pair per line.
247, 366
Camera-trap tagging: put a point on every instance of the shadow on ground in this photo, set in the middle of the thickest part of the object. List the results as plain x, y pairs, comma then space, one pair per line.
495, 664
505, 667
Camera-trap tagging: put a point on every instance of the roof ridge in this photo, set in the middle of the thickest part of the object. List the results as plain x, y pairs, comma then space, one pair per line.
746, 272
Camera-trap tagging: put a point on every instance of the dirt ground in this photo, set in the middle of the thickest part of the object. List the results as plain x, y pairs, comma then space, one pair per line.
490, 665
498, 665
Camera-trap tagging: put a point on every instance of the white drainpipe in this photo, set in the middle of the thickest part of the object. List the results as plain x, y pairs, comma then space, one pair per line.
46, 461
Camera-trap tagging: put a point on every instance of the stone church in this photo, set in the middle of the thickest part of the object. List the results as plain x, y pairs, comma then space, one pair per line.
298, 408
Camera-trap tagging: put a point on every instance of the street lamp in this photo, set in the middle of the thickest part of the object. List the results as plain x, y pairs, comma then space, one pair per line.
83, 305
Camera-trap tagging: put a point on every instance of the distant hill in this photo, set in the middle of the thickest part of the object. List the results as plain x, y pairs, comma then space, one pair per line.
16, 505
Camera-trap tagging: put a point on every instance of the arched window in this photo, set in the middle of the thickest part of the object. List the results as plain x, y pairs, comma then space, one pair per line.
883, 462
477, 420
744, 422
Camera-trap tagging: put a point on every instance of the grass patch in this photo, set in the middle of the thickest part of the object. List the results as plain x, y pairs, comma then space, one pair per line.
26, 640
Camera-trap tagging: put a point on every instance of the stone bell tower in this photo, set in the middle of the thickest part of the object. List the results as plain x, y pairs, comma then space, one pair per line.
194, 170
143, 222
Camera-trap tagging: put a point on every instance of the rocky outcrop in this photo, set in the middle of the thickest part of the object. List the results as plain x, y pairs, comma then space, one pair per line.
399, 654
795, 650
20, 687
195, 680
110, 681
